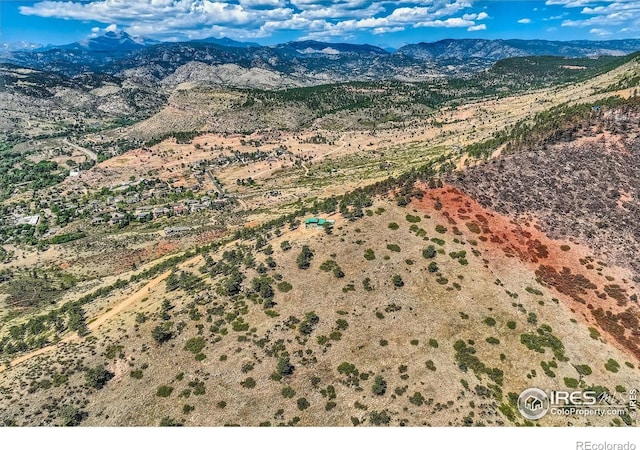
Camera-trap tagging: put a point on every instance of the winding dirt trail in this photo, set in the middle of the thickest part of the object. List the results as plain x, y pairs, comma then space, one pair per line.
88, 153
94, 323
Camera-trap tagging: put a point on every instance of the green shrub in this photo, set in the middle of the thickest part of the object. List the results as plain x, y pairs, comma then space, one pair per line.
429, 252
570, 382
248, 383
284, 286
284, 366
379, 385
164, 391
412, 219
397, 281
195, 345
304, 258
433, 267
511, 325
169, 422
393, 226
543, 339
379, 418
198, 387
533, 291
97, 377
441, 229
162, 333
583, 370
493, 341
329, 406
303, 403
417, 399
309, 322
393, 247
137, 374
490, 321
433, 343
288, 392
612, 365
369, 254
328, 265
69, 416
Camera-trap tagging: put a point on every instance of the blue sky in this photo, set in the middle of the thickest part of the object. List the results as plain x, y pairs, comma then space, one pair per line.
384, 23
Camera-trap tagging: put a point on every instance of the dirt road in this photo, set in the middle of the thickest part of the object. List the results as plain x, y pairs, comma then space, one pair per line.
89, 154
94, 323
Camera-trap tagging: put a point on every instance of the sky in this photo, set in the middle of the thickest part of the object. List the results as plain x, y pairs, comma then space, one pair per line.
376, 22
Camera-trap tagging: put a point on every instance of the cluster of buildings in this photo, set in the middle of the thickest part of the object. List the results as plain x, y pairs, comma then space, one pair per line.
120, 204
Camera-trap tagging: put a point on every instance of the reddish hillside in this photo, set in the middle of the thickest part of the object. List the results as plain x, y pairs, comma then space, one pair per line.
602, 296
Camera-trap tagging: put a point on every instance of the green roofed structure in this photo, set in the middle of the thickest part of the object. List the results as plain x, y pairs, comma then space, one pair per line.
318, 222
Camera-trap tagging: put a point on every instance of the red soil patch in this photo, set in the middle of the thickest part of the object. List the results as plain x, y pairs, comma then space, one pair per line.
605, 305
136, 257
209, 236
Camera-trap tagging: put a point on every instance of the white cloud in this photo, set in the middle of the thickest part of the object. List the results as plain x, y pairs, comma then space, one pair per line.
259, 18
525, 20
569, 3
606, 17
479, 27
262, 3
383, 30
600, 32
452, 22
611, 20
111, 28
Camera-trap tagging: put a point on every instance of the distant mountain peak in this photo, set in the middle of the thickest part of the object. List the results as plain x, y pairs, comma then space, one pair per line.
110, 41
331, 48
21, 46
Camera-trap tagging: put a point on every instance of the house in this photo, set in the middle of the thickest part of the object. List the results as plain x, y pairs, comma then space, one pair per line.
318, 222
196, 207
116, 218
160, 211
143, 215
179, 209
135, 198
28, 220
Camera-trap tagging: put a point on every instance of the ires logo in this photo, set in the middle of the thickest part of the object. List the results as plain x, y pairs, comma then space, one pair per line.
575, 398
534, 403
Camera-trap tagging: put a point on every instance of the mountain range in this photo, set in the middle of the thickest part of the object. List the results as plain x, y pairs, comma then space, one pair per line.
291, 63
